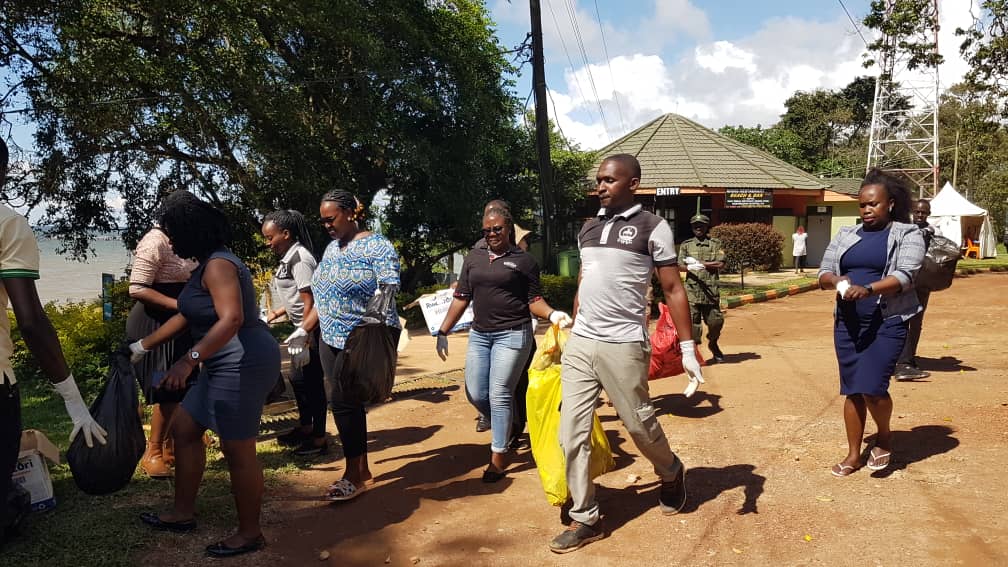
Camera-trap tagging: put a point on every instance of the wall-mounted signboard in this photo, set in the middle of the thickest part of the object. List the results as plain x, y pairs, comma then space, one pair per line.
749, 198
666, 191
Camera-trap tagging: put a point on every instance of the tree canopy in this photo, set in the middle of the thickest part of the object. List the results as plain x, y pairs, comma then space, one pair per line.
259, 105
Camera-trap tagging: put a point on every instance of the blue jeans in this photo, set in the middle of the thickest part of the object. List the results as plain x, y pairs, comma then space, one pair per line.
494, 363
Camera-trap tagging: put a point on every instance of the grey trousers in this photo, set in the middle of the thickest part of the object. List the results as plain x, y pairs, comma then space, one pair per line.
621, 369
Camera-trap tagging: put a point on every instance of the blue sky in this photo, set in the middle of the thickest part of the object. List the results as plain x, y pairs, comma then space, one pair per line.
717, 62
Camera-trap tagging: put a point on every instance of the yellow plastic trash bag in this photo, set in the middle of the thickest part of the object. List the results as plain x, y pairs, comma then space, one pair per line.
543, 407
550, 349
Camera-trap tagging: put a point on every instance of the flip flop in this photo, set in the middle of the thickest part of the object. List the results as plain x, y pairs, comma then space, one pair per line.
342, 490
841, 470
874, 460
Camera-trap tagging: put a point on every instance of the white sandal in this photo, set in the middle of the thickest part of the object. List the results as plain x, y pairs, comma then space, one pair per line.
342, 490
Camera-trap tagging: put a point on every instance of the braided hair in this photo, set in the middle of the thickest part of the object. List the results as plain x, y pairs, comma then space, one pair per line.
293, 222
508, 220
347, 201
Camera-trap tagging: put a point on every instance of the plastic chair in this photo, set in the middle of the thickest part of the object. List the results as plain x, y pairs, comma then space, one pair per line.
972, 248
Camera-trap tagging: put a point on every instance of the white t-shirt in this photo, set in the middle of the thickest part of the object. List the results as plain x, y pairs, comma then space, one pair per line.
799, 243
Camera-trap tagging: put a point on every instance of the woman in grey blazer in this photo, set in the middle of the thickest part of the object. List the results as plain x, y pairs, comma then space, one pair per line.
872, 266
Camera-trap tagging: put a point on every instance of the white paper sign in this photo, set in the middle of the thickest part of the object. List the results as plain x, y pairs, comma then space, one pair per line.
435, 308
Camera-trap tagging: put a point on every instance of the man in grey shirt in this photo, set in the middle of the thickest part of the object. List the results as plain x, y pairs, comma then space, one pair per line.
609, 347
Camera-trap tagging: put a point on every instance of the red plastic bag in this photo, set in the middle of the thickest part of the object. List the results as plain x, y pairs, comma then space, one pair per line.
666, 355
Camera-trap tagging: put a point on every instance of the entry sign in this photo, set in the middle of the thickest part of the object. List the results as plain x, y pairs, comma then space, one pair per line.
748, 198
666, 191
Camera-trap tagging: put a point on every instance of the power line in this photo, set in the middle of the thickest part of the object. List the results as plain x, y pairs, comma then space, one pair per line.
572, 14
856, 27
605, 50
556, 24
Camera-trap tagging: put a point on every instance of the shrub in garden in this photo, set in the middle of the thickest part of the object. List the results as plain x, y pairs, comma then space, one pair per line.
559, 291
85, 337
750, 245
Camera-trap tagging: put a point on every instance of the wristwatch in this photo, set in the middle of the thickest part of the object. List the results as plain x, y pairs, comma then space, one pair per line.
442, 333
194, 356
871, 290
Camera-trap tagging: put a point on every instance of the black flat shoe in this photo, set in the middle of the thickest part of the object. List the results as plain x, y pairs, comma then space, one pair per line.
220, 550
491, 476
152, 520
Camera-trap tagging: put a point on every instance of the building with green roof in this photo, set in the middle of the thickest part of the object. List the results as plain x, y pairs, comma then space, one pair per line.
688, 167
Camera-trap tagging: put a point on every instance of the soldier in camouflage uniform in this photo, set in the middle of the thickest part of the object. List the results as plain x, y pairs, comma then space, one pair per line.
703, 257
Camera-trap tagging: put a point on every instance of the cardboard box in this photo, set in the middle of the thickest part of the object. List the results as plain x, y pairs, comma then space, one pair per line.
32, 472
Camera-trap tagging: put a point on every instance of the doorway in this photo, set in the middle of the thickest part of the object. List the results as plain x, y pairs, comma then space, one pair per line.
819, 227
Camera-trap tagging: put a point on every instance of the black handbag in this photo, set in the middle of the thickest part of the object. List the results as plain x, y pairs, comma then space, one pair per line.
939, 264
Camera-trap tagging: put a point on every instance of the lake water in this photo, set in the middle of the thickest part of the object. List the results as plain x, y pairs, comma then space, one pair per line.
63, 279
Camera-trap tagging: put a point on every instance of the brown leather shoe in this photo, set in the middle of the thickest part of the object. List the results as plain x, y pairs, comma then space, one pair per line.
153, 462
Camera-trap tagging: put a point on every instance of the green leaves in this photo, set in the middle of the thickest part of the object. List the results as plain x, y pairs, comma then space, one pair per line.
262, 105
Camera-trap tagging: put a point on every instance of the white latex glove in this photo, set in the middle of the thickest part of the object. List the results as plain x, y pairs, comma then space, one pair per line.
841, 288
137, 352
692, 367
696, 267
297, 342
442, 346
560, 319
301, 359
79, 414
690, 260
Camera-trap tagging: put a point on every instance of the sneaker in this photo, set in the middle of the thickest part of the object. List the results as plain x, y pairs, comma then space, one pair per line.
716, 352
482, 424
909, 372
672, 495
308, 448
292, 438
576, 536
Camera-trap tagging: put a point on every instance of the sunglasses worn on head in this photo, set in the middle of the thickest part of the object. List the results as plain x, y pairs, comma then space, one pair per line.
493, 229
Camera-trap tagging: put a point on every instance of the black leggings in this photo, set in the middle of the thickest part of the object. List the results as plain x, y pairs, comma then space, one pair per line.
350, 417
309, 390
10, 441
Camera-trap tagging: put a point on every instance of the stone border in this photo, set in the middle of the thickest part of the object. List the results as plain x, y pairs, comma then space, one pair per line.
774, 293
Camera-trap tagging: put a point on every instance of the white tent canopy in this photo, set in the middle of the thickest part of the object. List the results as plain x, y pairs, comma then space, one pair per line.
957, 219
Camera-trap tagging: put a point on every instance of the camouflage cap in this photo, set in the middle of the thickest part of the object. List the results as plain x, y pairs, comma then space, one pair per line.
698, 218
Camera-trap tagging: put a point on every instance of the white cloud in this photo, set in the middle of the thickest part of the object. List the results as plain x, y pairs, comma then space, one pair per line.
723, 54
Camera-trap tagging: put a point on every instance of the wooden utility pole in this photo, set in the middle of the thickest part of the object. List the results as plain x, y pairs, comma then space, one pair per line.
542, 136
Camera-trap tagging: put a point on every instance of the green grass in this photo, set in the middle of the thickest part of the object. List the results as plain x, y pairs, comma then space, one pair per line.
105, 530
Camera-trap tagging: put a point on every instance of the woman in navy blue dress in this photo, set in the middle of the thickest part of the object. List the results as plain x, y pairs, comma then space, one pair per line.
872, 266
240, 362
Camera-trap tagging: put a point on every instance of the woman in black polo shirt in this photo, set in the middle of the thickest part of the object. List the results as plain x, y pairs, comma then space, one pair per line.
503, 282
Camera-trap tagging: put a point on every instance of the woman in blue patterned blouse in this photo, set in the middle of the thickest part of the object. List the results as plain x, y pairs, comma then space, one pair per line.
355, 264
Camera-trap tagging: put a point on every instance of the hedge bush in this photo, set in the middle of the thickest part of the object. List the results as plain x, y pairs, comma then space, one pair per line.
559, 291
750, 245
85, 337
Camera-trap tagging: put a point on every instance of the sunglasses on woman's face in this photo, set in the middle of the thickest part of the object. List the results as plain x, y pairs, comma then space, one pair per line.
493, 229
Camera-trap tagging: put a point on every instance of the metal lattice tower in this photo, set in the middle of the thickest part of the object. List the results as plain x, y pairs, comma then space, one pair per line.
904, 127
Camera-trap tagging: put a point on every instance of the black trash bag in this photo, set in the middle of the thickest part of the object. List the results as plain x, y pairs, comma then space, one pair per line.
103, 469
370, 354
939, 265
15, 510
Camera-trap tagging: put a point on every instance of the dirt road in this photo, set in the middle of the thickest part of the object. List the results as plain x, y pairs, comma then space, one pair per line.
758, 442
